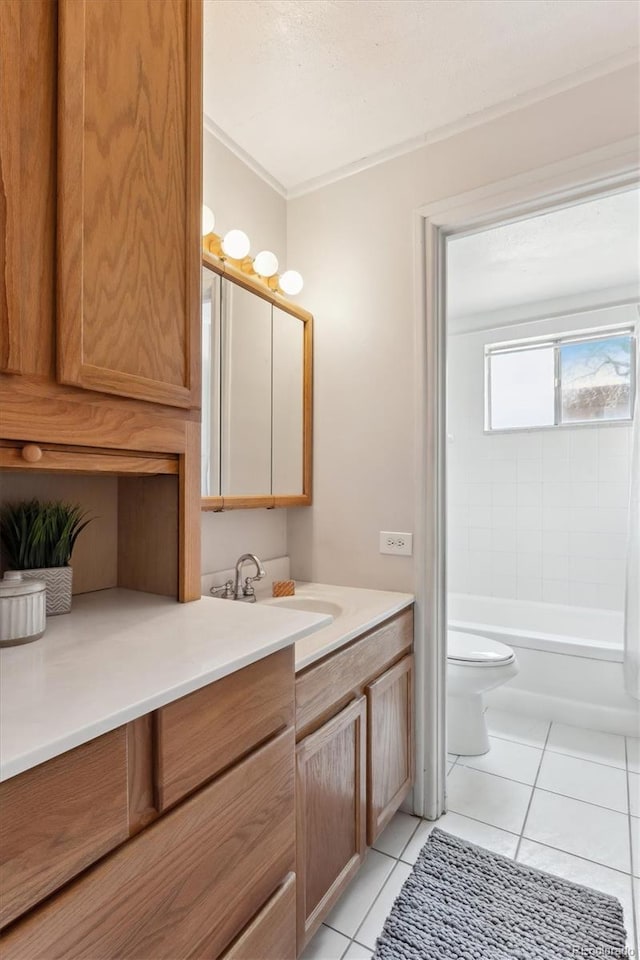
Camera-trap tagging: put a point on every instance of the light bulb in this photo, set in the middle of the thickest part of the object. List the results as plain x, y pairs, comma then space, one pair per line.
208, 220
291, 282
236, 244
265, 263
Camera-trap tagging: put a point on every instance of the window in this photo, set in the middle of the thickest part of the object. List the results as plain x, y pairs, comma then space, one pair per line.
559, 381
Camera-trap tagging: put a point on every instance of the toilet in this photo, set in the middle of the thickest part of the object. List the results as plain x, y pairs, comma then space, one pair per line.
475, 665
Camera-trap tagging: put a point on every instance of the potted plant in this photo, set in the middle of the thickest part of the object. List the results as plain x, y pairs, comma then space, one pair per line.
38, 539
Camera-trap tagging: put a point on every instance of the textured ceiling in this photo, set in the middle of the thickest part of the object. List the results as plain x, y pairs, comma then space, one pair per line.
592, 246
308, 88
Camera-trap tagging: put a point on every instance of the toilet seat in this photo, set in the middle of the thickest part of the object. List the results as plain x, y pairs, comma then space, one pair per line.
470, 649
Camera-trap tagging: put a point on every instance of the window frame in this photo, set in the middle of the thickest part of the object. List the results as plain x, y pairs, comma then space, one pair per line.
556, 341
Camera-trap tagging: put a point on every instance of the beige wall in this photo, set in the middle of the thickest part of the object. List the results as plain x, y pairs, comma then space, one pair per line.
239, 198
353, 242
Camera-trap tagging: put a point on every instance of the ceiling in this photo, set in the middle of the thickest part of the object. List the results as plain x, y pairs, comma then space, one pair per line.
573, 252
308, 90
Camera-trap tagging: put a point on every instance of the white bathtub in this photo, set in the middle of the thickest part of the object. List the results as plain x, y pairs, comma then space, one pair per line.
570, 660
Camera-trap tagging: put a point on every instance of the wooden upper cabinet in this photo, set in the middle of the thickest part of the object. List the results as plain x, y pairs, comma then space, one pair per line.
129, 171
27, 186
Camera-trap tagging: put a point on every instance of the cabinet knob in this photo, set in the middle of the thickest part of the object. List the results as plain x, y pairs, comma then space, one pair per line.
31, 452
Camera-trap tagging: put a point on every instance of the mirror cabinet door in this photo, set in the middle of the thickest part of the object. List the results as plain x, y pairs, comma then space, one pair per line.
246, 392
210, 383
288, 411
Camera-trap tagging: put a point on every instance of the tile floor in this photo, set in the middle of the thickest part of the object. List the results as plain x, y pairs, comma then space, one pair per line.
560, 798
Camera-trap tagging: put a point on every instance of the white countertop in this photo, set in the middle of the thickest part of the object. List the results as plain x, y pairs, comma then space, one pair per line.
356, 611
120, 654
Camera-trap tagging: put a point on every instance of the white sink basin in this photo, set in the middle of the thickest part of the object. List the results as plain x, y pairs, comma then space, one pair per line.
308, 604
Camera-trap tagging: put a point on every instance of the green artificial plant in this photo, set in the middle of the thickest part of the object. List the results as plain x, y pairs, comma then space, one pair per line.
36, 534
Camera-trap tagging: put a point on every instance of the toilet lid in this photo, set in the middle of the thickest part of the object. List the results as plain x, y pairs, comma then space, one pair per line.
480, 651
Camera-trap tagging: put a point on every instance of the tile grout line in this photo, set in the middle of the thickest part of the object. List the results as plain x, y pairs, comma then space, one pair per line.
634, 914
561, 753
533, 790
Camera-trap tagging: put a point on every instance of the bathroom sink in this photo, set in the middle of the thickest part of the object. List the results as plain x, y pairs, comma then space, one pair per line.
308, 604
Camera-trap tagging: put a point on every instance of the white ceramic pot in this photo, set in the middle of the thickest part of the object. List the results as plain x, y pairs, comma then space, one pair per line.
59, 581
22, 609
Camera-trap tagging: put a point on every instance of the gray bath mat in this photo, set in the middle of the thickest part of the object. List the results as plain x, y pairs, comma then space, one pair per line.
464, 902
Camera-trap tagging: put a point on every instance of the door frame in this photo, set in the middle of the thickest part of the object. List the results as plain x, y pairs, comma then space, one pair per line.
607, 170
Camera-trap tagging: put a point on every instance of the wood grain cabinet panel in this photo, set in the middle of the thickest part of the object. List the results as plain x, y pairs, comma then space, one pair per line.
185, 886
324, 687
58, 818
330, 801
204, 732
390, 752
272, 934
129, 91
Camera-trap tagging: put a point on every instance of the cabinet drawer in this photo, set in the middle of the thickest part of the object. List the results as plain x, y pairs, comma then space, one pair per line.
324, 688
206, 731
272, 934
185, 886
58, 818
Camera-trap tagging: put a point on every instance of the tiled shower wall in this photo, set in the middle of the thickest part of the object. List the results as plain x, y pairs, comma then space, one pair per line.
534, 515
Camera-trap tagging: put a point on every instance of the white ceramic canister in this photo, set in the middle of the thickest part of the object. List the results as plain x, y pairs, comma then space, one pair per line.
22, 609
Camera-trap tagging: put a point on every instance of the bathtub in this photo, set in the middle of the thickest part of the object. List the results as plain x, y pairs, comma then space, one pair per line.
571, 660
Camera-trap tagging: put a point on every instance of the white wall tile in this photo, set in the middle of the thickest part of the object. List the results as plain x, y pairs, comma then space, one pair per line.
529, 471
613, 494
529, 589
555, 566
504, 538
529, 518
504, 517
555, 445
555, 591
529, 446
479, 538
504, 494
610, 469
529, 494
479, 494
529, 541
555, 541
530, 565
556, 470
614, 441
583, 494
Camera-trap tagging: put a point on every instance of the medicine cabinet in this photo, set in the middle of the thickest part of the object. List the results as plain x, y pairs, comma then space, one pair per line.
256, 393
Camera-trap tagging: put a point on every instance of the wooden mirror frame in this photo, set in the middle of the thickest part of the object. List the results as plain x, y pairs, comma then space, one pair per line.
235, 273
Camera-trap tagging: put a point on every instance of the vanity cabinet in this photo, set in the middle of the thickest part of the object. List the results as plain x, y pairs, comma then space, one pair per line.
211, 877
354, 758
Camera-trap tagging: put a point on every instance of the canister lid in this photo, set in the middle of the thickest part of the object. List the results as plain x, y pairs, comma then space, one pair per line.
13, 584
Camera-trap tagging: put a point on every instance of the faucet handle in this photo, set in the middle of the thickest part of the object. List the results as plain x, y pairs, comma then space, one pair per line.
225, 592
248, 589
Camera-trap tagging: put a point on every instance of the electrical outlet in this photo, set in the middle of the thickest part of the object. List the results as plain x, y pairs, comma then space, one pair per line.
399, 544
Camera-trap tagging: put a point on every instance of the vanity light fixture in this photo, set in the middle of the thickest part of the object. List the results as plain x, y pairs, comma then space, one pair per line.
291, 282
208, 220
265, 263
236, 244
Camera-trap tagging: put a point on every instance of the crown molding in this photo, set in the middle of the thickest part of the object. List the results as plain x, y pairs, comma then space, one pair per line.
247, 159
601, 69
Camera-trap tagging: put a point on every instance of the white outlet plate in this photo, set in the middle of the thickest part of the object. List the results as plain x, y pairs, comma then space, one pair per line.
399, 544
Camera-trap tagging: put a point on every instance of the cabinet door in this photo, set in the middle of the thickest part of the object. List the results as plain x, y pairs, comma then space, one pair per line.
389, 744
330, 814
185, 886
129, 92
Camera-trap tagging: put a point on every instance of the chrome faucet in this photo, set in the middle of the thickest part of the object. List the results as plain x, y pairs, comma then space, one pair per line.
237, 590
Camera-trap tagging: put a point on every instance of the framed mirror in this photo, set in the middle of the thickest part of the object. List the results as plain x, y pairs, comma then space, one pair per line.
257, 393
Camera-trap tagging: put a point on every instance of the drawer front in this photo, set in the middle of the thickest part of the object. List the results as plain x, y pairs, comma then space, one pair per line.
328, 686
272, 934
185, 886
206, 731
58, 818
